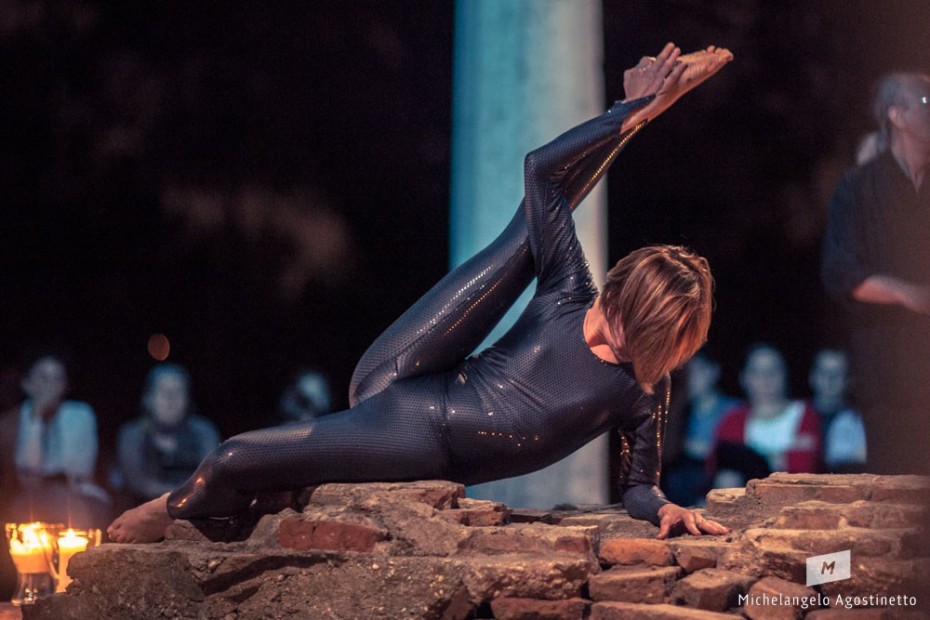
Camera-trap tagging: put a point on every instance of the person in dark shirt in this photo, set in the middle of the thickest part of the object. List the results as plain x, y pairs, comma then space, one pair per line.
162, 448
574, 365
876, 261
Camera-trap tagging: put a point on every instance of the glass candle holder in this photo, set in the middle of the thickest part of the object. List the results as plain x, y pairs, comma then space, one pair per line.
33, 550
69, 543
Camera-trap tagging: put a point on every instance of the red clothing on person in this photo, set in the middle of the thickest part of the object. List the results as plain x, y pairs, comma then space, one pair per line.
803, 451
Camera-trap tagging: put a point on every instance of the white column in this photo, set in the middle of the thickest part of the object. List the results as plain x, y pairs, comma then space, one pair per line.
525, 71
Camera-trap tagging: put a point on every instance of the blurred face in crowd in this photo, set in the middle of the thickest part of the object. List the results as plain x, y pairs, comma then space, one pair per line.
45, 383
829, 376
168, 399
765, 377
912, 115
703, 375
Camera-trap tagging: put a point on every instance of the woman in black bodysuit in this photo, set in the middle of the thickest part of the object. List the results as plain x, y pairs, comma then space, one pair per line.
573, 366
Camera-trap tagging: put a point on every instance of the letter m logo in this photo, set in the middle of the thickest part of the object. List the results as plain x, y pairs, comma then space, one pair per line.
829, 567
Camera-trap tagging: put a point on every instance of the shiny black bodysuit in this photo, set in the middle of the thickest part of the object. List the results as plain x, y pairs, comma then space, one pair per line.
421, 409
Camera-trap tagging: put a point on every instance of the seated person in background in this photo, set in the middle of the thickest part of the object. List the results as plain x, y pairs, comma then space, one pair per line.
163, 447
843, 430
307, 397
685, 482
49, 450
784, 433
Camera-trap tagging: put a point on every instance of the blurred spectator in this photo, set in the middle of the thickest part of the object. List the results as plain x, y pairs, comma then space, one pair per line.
876, 261
844, 448
162, 448
47, 440
307, 397
768, 433
48, 452
685, 479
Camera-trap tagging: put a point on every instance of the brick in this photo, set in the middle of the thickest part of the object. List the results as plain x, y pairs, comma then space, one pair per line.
329, 535
633, 585
475, 512
535, 609
438, 494
902, 489
613, 524
812, 515
883, 576
530, 538
862, 542
723, 501
635, 611
552, 576
474, 518
784, 494
863, 481
886, 515
693, 554
711, 589
635, 551
772, 598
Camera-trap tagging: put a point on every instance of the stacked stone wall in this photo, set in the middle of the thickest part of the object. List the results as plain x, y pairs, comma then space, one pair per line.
423, 550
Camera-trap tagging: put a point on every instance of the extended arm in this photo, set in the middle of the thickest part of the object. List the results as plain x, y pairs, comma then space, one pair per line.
641, 495
845, 270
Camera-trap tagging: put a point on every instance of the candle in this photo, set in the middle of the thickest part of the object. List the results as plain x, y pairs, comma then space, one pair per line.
32, 550
69, 543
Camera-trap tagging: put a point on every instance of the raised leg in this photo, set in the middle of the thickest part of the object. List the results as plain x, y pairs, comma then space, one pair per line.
450, 320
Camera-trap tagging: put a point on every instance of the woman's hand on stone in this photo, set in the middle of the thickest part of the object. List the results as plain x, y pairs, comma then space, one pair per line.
672, 515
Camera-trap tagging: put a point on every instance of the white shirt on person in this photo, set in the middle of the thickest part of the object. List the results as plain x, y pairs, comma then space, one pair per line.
65, 444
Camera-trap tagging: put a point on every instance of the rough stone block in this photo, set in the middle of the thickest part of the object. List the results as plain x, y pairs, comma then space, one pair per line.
530, 538
635, 611
902, 489
721, 501
812, 515
534, 609
438, 494
862, 542
613, 524
886, 515
781, 494
635, 551
550, 577
883, 576
712, 589
693, 554
634, 585
126, 581
863, 481
772, 598
477, 513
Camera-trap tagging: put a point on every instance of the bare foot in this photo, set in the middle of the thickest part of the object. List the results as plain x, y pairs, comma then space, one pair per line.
669, 76
143, 524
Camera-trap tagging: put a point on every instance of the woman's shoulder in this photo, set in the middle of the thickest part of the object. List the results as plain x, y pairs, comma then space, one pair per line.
77, 409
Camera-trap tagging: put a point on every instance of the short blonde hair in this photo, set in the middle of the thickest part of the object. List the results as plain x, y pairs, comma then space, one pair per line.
661, 297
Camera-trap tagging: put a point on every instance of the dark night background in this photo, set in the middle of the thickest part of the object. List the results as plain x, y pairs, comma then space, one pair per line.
267, 183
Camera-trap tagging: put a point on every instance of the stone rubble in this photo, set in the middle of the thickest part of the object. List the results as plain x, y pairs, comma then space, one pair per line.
423, 550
